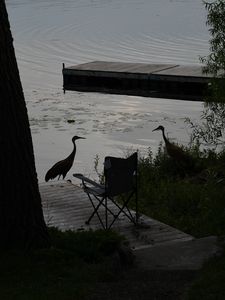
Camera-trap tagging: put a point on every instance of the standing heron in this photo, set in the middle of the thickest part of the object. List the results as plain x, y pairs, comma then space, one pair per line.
63, 166
174, 151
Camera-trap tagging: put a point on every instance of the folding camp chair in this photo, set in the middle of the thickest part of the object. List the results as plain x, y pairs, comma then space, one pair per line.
120, 178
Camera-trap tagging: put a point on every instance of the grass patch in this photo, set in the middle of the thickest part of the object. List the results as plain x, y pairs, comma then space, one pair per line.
90, 246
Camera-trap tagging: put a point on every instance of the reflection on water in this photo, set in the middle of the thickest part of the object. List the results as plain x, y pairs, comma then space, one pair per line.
47, 33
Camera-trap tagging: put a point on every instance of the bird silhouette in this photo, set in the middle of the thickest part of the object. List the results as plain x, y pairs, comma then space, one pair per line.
62, 167
174, 151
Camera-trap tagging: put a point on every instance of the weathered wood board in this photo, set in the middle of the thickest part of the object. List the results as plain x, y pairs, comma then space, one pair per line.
66, 206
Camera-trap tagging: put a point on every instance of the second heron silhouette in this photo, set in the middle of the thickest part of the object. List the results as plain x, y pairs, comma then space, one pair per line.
62, 167
174, 151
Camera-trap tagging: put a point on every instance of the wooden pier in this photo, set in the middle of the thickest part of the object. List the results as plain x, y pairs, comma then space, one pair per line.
152, 80
66, 206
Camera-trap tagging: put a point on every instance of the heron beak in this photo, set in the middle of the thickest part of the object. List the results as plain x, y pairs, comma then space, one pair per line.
80, 137
155, 129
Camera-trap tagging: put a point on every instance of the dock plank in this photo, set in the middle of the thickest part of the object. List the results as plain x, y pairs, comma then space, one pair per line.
184, 71
66, 206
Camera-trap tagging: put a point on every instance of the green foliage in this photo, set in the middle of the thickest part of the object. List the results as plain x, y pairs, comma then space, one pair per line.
193, 203
212, 129
91, 246
100, 174
215, 62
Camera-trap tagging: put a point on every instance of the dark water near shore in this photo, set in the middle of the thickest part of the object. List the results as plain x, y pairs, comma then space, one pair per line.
48, 33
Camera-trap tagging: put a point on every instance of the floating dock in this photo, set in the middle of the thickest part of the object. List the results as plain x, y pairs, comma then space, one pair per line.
187, 82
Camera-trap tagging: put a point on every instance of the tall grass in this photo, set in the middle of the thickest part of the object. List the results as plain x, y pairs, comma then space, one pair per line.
192, 200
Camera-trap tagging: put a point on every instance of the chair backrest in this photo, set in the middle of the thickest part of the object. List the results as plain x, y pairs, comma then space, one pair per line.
120, 174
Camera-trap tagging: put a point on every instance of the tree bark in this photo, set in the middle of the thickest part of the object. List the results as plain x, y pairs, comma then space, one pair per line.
21, 216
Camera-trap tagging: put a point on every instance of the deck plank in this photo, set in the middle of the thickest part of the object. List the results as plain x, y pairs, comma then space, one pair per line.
66, 206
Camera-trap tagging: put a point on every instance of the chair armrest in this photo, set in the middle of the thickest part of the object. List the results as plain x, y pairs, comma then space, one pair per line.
88, 180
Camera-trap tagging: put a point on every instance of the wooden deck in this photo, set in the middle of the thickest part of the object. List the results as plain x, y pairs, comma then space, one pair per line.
154, 80
66, 206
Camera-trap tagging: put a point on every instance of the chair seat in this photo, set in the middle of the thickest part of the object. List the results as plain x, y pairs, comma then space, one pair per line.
97, 191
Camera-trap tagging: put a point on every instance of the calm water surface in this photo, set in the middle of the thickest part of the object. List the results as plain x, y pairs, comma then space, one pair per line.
50, 32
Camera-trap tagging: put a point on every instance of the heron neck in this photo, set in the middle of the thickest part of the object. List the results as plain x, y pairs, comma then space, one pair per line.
72, 155
164, 136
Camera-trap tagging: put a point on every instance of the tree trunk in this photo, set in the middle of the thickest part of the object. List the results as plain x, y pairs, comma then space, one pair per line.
21, 218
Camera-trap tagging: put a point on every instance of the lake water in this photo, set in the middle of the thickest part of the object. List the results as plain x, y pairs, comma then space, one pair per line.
48, 33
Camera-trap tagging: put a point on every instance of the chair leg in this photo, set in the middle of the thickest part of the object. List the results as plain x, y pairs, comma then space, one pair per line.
136, 206
106, 214
104, 201
121, 209
95, 211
